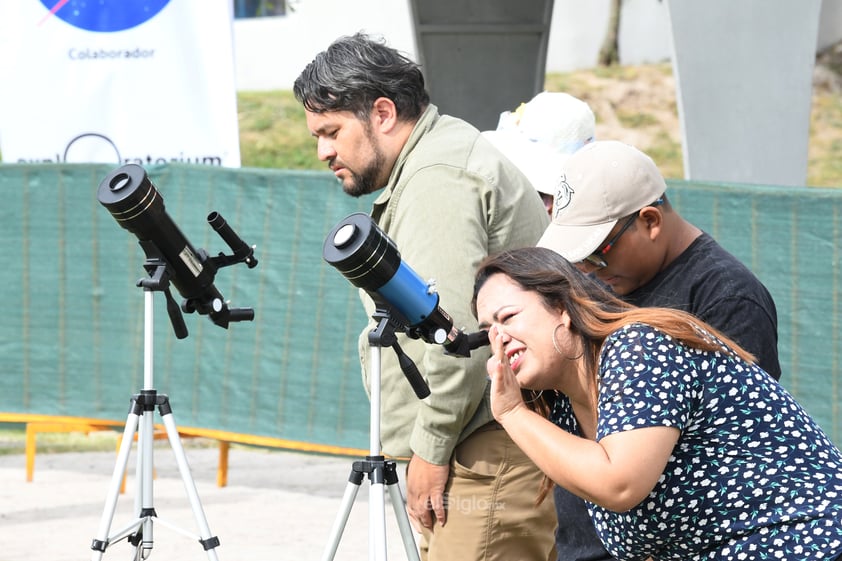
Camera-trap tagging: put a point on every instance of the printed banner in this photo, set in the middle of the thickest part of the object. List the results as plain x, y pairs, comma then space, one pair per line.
118, 81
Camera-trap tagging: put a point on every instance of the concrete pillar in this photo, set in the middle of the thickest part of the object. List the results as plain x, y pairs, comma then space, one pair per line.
482, 57
744, 87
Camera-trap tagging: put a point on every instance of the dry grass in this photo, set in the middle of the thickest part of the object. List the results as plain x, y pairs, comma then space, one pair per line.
635, 104
273, 132
825, 154
13, 441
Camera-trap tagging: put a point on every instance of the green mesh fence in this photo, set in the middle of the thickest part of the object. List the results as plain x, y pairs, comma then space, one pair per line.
71, 338
790, 238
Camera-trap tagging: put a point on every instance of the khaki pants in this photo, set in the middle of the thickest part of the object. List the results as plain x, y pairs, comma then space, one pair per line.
490, 501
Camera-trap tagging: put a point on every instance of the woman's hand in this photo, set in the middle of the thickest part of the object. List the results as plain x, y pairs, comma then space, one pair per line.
506, 396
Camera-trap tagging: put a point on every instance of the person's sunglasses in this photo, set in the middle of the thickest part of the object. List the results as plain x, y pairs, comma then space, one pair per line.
597, 258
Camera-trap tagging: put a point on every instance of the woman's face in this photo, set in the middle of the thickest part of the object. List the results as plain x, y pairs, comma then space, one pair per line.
527, 327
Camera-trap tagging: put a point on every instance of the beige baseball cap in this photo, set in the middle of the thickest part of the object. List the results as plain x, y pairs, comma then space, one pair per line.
600, 183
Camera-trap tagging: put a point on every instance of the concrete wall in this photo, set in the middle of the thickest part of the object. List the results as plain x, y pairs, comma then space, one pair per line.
270, 52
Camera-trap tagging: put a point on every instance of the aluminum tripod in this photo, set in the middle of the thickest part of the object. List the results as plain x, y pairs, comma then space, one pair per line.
139, 531
381, 472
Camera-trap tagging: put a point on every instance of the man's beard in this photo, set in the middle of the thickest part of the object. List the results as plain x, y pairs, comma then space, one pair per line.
368, 180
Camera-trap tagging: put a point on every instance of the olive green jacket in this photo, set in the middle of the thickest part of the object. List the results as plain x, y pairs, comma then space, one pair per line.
451, 200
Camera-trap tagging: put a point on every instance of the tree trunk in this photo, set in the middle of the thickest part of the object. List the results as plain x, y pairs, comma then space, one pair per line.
610, 52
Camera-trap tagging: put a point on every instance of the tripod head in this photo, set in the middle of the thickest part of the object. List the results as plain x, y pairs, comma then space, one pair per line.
390, 322
137, 206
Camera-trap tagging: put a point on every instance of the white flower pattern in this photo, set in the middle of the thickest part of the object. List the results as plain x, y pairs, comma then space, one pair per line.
752, 477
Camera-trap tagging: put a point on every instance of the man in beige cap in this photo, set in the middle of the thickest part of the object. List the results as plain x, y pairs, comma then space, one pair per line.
611, 217
539, 135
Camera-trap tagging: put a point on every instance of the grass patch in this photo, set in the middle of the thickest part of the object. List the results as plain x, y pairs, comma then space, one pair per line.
273, 132
668, 152
13, 441
635, 120
824, 166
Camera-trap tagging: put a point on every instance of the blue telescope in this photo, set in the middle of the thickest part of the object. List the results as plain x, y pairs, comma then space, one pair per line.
370, 260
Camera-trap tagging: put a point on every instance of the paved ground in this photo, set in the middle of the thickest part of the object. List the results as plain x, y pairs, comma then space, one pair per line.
277, 506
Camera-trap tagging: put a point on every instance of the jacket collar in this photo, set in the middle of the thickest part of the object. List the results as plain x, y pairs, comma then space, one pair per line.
425, 123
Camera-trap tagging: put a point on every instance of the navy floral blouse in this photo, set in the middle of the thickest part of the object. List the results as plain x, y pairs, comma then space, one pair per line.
752, 476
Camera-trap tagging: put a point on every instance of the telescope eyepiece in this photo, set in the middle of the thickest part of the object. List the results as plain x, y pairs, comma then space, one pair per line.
344, 235
119, 181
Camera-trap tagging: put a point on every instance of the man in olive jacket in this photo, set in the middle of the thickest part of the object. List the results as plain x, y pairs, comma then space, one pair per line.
447, 199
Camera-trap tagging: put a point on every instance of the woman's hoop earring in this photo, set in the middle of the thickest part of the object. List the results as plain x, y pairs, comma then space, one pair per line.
555, 343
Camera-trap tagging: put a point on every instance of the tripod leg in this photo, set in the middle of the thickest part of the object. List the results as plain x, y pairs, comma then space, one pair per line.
379, 472
101, 541
399, 508
348, 498
377, 517
144, 502
208, 541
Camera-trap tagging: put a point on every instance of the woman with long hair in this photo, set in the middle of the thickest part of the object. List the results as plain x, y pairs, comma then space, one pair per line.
682, 447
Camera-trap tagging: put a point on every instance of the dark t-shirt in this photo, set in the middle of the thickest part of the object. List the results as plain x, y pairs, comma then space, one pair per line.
716, 287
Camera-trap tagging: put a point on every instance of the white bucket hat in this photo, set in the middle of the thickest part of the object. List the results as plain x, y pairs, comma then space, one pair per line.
540, 135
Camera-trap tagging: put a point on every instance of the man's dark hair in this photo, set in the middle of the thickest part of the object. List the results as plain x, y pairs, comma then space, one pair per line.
354, 71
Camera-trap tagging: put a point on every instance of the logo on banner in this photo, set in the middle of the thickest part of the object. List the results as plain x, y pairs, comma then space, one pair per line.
91, 147
96, 147
103, 15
